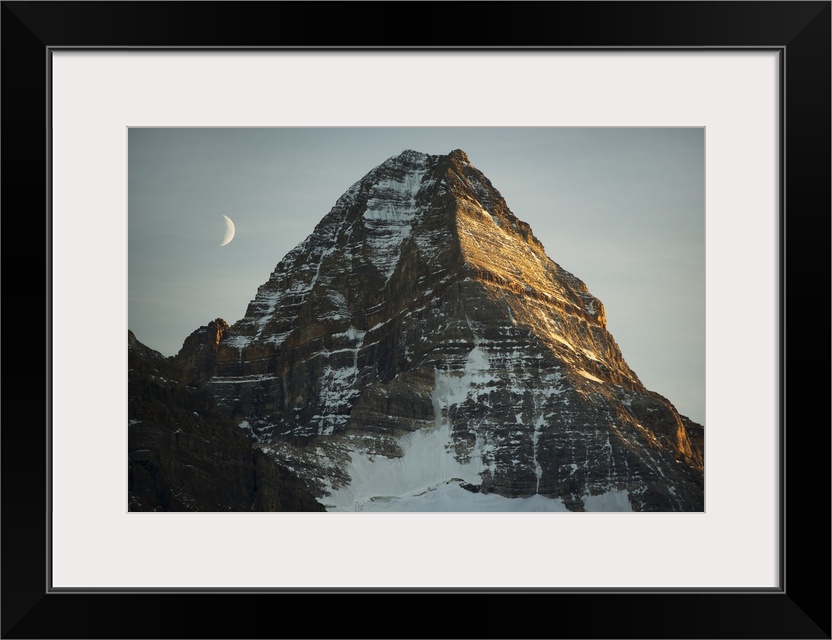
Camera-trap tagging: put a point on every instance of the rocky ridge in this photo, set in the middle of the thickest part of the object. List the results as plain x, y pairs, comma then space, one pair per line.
183, 455
421, 334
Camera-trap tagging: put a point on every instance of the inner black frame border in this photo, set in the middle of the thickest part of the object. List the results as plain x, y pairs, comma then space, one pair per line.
799, 31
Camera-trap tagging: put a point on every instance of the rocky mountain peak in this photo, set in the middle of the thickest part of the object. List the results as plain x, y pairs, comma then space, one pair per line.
422, 310
408, 158
459, 154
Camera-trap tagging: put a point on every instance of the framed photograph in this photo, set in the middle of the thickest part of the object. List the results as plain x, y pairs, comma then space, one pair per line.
417, 348
87, 84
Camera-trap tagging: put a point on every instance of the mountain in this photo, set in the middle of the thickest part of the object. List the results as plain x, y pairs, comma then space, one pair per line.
421, 337
183, 454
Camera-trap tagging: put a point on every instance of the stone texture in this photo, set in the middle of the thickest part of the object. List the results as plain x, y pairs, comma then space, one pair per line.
183, 455
421, 302
196, 360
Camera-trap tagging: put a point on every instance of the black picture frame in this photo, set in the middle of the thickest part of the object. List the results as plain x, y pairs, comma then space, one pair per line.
799, 31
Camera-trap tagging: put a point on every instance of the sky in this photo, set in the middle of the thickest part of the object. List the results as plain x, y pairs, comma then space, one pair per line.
623, 209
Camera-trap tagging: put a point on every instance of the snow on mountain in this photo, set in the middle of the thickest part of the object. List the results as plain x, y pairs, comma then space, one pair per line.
420, 340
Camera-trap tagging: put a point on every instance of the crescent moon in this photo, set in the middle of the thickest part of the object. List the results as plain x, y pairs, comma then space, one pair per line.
229, 232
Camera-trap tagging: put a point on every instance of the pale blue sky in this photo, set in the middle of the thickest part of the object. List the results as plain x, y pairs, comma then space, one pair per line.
622, 209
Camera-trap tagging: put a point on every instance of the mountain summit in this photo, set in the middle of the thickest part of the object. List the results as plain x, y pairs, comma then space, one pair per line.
421, 336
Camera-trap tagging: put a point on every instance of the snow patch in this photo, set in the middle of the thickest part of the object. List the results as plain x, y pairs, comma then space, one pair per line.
450, 497
614, 500
538, 470
428, 459
426, 463
257, 377
391, 208
238, 342
588, 376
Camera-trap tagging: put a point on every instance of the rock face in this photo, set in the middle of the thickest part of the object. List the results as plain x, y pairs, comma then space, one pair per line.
196, 361
421, 334
183, 455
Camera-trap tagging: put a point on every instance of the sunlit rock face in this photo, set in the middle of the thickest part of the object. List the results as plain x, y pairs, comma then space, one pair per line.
421, 334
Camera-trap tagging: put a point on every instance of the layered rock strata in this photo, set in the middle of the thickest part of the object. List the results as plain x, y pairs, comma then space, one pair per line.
421, 333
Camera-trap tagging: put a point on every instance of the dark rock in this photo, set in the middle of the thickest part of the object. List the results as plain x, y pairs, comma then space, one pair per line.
196, 360
183, 455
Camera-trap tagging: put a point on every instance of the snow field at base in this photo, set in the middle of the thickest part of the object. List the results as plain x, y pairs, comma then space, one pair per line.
452, 498
614, 500
427, 477
427, 460
425, 463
